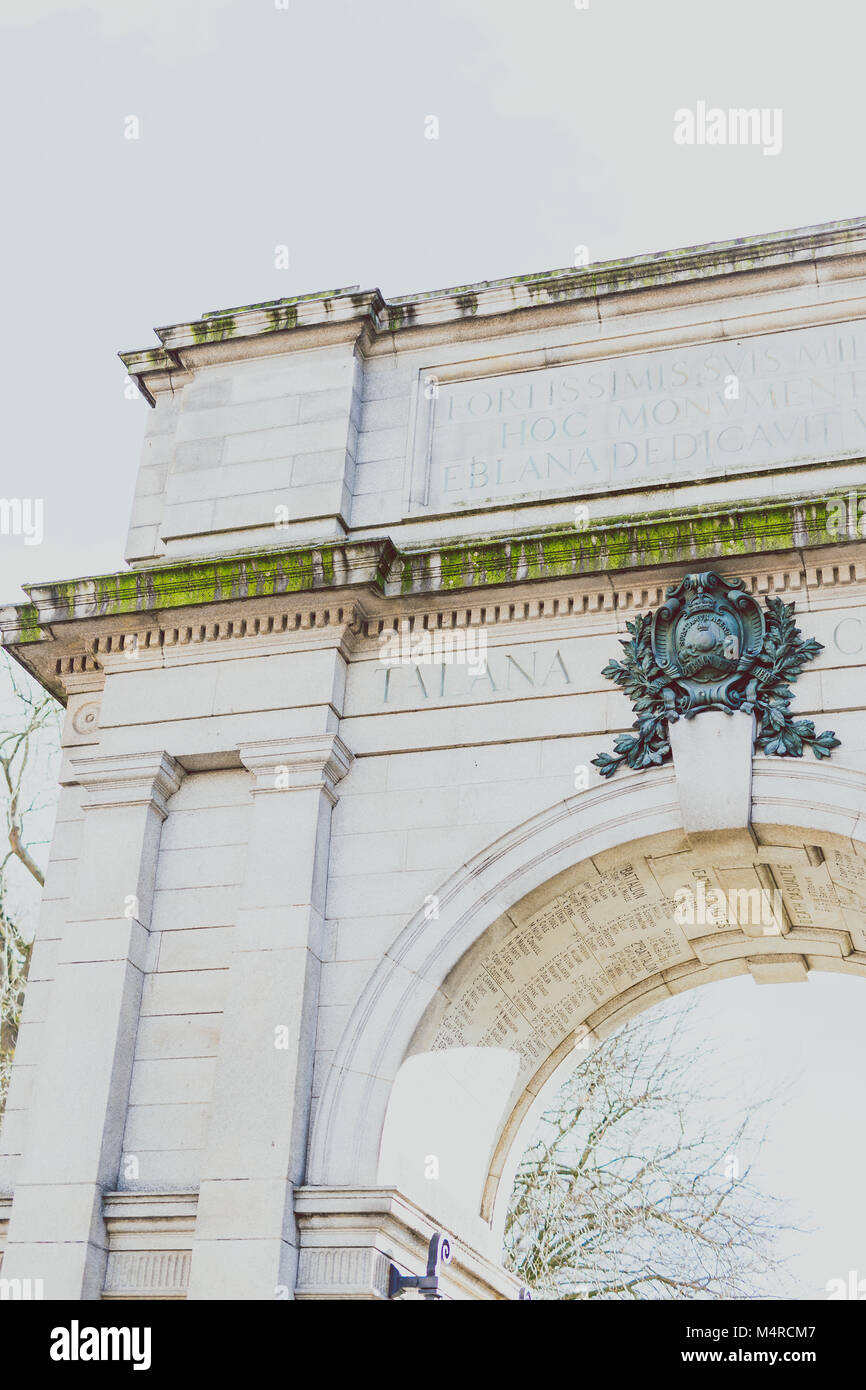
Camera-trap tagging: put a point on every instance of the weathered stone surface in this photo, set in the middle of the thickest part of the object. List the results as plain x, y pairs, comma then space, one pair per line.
713, 761
313, 915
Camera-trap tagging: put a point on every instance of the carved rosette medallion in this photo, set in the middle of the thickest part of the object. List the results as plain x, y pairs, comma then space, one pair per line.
86, 718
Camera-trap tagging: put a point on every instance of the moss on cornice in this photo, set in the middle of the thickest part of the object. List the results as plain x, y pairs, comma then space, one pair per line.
28, 623
262, 574
633, 542
610, 545
501, 296
213, 330
283, 317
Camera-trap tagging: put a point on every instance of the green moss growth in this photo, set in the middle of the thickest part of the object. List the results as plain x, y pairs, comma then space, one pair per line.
213, 330
611, 545
28, 621
628, 543
467, 303
262, 574
281, 319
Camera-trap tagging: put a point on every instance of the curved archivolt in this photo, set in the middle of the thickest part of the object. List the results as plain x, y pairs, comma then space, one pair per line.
607, 938
592, 911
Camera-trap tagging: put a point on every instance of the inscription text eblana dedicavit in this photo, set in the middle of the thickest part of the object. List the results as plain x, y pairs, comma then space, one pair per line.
718, 408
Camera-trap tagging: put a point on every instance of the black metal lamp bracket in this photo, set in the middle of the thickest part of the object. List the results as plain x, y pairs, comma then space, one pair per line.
439, 1252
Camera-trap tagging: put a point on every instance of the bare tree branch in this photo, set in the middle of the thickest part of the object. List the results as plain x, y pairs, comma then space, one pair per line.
29, 738
629, 1189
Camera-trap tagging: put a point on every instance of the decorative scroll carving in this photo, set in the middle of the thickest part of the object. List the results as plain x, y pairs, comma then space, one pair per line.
710, 646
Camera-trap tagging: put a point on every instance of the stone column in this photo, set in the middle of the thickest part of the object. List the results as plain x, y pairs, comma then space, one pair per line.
245, 1242
74, 1134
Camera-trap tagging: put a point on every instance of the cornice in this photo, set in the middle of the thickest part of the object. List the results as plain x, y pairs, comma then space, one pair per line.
271, 574
366, 317
72, 631
611, 545
621, 544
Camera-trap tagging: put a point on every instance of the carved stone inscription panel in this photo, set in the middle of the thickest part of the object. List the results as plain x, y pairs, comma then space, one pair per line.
604, 425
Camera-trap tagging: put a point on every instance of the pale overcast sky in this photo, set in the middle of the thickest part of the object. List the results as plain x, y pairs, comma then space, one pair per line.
304, 125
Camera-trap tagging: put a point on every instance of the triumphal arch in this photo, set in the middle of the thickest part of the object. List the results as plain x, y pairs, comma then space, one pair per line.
489, 665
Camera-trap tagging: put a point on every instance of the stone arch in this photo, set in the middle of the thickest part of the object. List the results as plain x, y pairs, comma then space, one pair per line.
395, 1081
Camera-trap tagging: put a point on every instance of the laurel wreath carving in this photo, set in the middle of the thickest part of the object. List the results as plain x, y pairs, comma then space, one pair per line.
784, 654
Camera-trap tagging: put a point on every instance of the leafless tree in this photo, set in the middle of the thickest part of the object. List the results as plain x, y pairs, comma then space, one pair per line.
29, 739
637, 1186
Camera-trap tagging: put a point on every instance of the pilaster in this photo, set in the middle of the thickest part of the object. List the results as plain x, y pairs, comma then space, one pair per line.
73, 1138
245, 1242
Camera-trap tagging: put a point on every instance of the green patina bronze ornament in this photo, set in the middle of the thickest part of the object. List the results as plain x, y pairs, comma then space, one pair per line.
706, 637
710, 646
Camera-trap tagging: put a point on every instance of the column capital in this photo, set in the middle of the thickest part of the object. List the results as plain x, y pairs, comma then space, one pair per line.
310, 761
127, 779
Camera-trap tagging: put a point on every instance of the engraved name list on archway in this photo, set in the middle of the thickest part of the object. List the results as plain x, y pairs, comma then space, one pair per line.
602, 425
575, 953
546, 973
